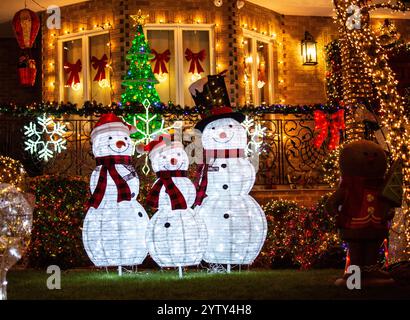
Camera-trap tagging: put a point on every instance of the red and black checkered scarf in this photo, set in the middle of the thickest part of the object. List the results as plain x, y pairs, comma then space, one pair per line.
108, 165
201, 179
165, 179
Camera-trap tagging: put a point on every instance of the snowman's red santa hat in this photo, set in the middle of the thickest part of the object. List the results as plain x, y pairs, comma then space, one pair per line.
163, 142
110, 122
211, 94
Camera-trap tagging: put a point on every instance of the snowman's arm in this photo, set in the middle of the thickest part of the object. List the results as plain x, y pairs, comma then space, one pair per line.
94, 179
254, 167
254, 160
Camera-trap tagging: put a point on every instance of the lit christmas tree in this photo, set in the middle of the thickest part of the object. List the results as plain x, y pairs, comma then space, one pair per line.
140, 81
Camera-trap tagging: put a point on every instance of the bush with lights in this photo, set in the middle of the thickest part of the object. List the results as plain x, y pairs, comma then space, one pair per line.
298, 236
57, 221
12, 172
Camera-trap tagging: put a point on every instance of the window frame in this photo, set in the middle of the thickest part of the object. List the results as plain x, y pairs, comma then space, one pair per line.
85, 60
254, 37
178, 29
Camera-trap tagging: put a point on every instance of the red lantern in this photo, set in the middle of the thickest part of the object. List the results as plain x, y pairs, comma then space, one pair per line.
26, 25
27, 71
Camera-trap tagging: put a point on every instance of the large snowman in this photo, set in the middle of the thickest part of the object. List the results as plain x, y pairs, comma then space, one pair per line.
235, 222
176, 237
115, 224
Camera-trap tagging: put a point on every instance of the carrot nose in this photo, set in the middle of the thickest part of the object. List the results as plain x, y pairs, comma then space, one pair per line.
222, 135
174, 161
120, 144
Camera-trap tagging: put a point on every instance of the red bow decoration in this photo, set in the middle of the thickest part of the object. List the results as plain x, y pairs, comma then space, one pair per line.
100, 65
323, 124
73, 69
160, 61
195, 59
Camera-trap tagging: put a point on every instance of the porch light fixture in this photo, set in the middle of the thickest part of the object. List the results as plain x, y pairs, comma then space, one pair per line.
309, 50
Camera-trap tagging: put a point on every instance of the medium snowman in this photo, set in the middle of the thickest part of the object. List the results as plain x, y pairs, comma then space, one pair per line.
176, 237
235, 222
115, 224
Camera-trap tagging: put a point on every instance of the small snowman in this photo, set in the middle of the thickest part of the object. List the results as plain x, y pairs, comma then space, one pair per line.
235, 222
115, 224
176, 237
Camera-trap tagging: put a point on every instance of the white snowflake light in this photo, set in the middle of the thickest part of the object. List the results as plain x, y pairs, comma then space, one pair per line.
255, 132
45, 137
148, 134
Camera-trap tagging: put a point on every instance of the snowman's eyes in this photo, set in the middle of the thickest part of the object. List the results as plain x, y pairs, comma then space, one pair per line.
110, 138
126, 138
164, 157
178, 154
230, 126
213, 128
167, 225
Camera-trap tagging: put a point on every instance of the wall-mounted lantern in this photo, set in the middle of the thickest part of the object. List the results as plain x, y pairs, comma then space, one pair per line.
309, 50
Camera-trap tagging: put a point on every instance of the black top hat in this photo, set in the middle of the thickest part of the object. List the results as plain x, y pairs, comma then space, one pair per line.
211, 93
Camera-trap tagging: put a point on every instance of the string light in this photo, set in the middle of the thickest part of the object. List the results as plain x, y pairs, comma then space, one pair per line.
365, 63
12, 172
299, 233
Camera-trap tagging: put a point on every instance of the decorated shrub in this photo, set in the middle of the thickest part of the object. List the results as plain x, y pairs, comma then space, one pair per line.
57, 221
298, 236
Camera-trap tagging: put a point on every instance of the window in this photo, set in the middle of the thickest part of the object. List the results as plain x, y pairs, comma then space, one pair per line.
258, 68
182, 55
83, 68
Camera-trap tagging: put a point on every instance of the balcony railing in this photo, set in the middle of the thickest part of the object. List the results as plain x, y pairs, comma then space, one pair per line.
288, 156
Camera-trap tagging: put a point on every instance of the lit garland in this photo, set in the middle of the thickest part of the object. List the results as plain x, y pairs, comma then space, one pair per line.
12, 172
90, 109
365, 59
298, 234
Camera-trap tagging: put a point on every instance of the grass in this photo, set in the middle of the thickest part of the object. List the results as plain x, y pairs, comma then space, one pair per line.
149, 284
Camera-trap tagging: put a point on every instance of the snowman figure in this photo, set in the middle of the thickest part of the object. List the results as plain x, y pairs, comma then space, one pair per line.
115, 224
176, 237
235, 222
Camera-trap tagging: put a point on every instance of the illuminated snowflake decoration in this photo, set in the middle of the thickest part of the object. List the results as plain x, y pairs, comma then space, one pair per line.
255, 133
147, 133
45, 137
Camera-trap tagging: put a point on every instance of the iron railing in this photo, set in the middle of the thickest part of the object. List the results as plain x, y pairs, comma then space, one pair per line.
288, 156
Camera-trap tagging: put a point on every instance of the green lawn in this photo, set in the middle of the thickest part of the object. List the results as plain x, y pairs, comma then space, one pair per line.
149, 284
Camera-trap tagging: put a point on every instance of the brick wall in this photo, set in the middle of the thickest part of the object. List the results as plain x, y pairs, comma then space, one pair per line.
301, 84
9, 82
95, 12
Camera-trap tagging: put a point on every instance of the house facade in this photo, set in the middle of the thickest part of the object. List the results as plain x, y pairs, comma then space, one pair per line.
260, 49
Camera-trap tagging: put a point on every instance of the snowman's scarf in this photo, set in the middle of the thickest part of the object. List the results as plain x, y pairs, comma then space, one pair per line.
175, 195
108, 165
201, 179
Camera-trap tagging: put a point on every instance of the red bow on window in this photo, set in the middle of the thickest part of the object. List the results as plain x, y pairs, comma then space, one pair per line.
323, 124
160, 61
73, 69
100, 65
195, 59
